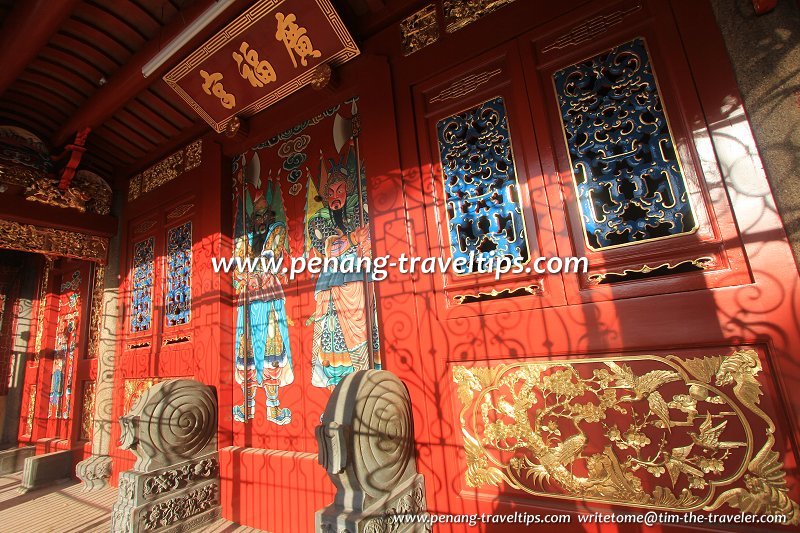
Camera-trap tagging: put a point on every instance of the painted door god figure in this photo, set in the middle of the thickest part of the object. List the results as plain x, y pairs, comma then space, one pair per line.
338, 228
263, 350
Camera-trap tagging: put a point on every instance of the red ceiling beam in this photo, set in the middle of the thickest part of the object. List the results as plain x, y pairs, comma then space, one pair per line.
128, 81
28, 28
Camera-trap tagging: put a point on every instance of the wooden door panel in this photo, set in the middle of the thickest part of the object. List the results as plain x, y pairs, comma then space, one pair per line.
686, 330
466, 117
634, 46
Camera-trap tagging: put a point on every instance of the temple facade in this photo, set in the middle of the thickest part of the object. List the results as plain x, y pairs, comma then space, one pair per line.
377, 265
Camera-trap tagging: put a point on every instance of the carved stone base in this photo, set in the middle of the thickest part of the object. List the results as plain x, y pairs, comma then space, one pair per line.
407, 500
94, 472
179, 497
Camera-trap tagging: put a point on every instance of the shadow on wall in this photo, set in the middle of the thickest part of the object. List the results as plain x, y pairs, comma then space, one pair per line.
765, 53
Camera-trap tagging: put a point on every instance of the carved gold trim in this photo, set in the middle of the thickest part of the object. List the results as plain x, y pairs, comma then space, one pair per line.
703, 263
134, 388
31, 409
51, 241
87, 409
419, 30
142, 227
494, 294
137, 345
646, 431
464, 86
45, 280
589, 29
166, 170
459, 13
177, 340
179, 211
17, 175
46, 191
96, 318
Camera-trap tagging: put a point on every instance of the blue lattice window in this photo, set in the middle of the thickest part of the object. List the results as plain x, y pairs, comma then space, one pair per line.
142, 294
627, 174
480, 183
179, 275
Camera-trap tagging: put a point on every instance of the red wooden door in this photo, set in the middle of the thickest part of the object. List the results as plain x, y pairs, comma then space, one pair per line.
70, 369
655, 380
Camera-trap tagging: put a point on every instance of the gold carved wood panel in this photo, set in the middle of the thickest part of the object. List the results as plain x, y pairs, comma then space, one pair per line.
654, 432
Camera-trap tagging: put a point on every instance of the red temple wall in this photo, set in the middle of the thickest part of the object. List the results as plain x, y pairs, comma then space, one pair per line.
747, 301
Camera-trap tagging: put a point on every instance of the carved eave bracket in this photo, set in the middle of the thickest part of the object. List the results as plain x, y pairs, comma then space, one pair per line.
27, 171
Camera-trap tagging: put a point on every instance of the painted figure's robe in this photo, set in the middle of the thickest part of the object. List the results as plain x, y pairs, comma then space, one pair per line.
340, 317
268, 362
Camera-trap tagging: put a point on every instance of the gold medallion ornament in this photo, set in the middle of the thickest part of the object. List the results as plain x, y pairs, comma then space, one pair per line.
647, 431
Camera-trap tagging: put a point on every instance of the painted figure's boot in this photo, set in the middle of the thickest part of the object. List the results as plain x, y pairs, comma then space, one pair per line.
279, 415
275, 413
238, 411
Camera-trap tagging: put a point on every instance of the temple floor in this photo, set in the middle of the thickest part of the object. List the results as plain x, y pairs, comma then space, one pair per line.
66, 508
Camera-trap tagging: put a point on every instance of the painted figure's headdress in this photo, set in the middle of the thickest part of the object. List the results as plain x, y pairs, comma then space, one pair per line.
344, 170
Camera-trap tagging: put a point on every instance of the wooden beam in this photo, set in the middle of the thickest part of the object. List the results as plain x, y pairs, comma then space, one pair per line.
128, 81
26, 31
25, 212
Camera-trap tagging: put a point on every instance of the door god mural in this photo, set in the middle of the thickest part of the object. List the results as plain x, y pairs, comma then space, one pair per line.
299, 199
263, 351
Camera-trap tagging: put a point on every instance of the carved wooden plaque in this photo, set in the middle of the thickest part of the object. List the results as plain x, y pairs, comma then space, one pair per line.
266, 54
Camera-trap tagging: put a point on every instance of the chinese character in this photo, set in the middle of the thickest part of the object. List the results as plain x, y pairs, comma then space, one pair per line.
295, 39
213, 86
256, 72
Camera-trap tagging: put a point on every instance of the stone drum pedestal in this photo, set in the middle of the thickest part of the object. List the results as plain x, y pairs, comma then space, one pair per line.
366, 445
174, 485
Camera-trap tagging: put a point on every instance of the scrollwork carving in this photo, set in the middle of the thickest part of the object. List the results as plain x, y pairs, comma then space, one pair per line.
366, 445
626, 169
481, 190
173, 421
169, 512
180, 477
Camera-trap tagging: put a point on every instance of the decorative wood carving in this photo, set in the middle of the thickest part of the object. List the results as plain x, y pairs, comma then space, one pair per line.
166, 170
51, 241
459, 13
645, 431
419, 30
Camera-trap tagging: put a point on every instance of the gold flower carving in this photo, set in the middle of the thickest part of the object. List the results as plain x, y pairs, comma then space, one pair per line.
647, 431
